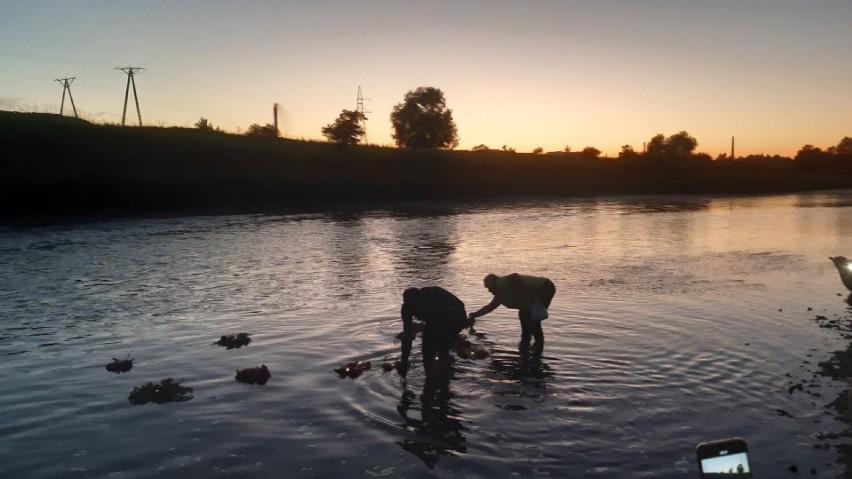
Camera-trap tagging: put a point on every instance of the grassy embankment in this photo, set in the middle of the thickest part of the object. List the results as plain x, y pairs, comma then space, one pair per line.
58, 166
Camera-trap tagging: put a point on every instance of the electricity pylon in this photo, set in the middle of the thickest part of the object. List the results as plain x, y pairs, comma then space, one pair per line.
66, 86
359, 107
131, 73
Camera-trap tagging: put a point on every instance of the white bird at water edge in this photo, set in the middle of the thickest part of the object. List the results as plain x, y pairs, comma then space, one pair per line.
844, 267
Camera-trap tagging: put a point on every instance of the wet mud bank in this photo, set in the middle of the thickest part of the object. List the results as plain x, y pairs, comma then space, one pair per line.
835, 371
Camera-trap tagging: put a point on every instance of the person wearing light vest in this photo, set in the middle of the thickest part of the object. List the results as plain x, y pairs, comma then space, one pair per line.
530, 295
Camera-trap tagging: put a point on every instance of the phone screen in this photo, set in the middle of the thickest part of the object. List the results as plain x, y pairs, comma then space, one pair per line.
734, 465
727, 458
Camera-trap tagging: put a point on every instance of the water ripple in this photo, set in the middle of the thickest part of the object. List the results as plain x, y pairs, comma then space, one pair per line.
675, 321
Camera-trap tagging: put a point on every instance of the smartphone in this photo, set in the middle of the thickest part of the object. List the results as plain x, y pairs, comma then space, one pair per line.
723, 459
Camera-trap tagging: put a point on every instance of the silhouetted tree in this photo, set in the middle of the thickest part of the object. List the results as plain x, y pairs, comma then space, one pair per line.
266, 130
423, 120
774, 160
347, 129
812, 158
508, 149
810, 152
204, 125
567, 149
538, 151
626, 152
679, 145
480, 147
657, 146
590, 152
836, 159
844, 147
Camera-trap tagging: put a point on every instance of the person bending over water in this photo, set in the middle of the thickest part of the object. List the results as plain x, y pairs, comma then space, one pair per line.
530, 295
443, 317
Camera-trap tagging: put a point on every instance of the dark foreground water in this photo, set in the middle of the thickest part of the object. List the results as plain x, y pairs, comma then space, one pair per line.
677, 320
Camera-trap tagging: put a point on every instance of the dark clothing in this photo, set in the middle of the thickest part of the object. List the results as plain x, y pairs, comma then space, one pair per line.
441, 312
530, 327
546, 293
518, 291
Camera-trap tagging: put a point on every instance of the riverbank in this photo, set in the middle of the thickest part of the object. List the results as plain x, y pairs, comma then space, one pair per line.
838, 368
61, 167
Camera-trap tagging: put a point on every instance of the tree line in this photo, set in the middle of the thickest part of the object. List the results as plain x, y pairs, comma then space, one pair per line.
423, 120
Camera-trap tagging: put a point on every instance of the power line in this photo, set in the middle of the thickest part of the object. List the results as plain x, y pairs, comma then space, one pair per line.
131, 74
190, 82
20, 55
66, 86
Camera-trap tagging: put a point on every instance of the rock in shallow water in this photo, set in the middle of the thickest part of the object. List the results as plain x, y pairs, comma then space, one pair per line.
258, 375
120, 365
232, 341
168, 390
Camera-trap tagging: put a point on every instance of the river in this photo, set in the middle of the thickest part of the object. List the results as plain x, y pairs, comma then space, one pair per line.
677, 320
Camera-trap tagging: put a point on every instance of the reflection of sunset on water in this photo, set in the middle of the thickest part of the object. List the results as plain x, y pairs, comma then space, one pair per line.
676, 320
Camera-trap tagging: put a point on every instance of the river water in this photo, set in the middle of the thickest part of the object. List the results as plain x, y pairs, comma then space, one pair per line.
677, 320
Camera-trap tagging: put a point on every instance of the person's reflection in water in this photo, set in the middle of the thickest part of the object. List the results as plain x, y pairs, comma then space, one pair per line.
439, 431
348, 249
419, 240
526, 370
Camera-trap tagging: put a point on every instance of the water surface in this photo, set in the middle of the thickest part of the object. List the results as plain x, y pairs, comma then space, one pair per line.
677, 320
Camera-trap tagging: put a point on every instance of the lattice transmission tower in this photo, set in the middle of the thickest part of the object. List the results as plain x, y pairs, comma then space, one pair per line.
66, 86
131, 74
359, 107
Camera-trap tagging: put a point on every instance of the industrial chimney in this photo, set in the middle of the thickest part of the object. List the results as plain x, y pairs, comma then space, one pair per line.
275, 115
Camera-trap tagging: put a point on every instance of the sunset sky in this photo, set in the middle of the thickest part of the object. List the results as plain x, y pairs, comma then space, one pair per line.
776, 74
